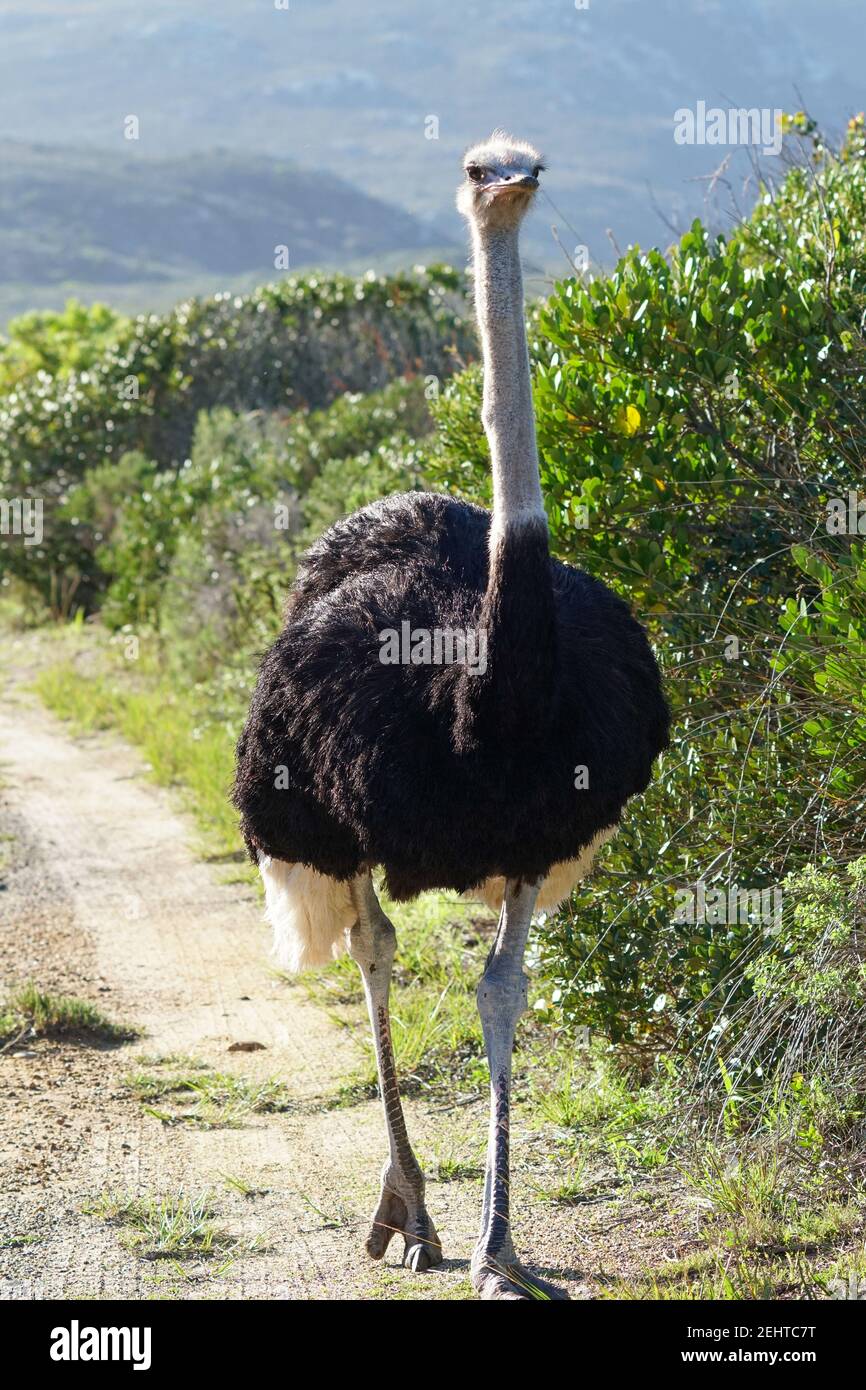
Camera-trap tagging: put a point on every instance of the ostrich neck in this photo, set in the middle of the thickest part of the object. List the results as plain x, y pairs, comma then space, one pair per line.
517, 611
507, 412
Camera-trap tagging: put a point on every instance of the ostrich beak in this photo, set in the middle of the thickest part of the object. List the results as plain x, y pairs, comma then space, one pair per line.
525, 183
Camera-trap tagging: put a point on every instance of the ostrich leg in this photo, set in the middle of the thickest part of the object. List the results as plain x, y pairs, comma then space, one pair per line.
501, 1000
371, 943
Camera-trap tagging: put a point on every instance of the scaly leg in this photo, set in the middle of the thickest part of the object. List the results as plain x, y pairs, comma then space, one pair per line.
501, 1000
371, 943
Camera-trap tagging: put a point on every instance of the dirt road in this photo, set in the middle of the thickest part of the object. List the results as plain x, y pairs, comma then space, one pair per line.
105, 899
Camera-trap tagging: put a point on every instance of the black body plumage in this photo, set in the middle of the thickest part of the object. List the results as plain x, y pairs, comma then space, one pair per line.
443, 776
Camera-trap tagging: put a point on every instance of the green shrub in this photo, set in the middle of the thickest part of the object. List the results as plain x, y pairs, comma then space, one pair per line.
793, 1054
140, 386
59, 343
817, 963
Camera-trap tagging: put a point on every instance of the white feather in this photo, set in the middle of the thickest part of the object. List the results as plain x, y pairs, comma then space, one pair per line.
309, 913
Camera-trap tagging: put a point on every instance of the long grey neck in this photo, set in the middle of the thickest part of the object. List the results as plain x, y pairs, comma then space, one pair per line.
507, 413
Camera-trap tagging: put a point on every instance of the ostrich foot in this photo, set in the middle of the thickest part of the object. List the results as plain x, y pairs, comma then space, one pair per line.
492, 1278
396, 1215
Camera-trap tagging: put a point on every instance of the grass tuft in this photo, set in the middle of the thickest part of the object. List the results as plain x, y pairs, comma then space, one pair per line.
177, 1225
30, 1013
211, 1100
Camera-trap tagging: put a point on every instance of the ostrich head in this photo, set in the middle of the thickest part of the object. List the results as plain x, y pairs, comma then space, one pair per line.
501, 177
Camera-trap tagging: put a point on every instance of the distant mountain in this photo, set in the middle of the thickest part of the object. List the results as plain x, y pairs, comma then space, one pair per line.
106, 219
347, 87
142, 232
351, 92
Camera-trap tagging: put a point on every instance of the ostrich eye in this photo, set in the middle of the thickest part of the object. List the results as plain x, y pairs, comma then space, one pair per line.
475, 173
537, 170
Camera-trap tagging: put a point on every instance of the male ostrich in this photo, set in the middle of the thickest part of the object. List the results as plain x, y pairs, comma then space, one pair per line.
443, 774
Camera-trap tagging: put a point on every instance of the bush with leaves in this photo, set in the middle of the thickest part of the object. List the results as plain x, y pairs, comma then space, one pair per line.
224, 530
793, 1052
139, 386
72, 340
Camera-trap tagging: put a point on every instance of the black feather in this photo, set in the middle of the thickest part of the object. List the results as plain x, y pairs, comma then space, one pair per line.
443, 777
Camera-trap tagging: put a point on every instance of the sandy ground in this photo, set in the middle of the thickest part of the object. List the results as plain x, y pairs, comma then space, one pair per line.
104, 897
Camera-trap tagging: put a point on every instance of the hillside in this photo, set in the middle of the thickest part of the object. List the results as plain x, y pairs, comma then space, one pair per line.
346, 89
144, 232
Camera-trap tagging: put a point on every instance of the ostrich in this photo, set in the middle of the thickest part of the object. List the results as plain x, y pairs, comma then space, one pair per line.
446, 773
